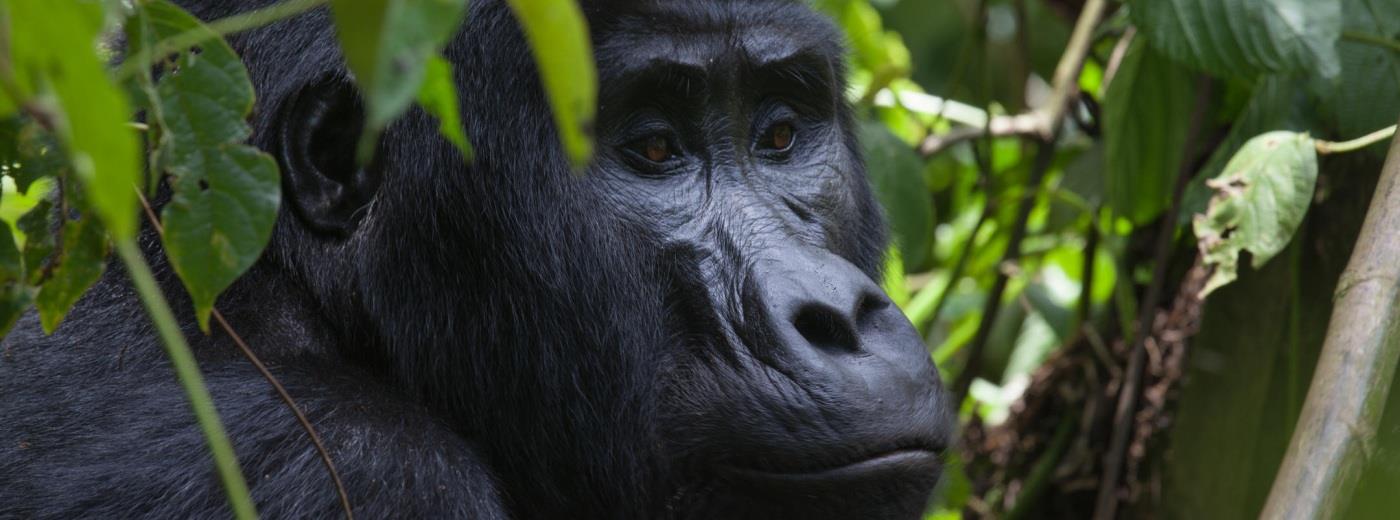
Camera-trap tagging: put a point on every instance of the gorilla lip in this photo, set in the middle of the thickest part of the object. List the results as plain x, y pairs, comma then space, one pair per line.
896, 461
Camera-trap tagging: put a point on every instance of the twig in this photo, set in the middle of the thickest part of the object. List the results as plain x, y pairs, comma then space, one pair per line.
1333, 439
187, 372
1115, 59
1371, 39
1329, 147
1044, 122
999, 126
271, 379
1107, 504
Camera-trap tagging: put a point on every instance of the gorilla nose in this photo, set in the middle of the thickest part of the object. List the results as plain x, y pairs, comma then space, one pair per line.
836, 333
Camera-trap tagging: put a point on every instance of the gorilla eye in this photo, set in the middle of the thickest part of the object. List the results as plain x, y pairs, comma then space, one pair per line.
657, 149
778, 138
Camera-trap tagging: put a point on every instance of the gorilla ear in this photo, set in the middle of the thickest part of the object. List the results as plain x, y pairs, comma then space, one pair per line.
319, 128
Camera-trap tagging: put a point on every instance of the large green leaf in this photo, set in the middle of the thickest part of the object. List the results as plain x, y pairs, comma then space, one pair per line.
897, 176
387, 44
438, 96
1260, 200
1366, 96
55, 44
225, 193
564, 56
79, 264
1147, 113
1245, 37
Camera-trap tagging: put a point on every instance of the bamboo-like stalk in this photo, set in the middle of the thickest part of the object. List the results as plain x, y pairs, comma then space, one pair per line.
1336, 430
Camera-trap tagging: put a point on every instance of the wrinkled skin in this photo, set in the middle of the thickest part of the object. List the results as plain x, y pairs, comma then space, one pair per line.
689, 330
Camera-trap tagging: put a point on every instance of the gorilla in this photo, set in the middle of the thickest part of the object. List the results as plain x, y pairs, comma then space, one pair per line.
687, 330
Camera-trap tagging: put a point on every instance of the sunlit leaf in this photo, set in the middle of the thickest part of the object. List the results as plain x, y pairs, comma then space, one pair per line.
225, 193
438, 97
1260, 200
15, 294
1245, 37
57, 45
564, 56
387, 44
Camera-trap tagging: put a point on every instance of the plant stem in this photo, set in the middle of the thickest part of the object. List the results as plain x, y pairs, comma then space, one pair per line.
1066, 82
1328, 147
182, 360
1371, 39
218, 28
1336, 430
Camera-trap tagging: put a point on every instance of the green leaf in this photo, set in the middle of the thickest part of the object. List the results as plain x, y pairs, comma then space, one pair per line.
14, 292
438, 97
559, 38
80, 264
896, 173
387, 44
1260, 200
1364, 97
1245, 37
225, 193
1276, 103
1147, 113
39, 243
56, 43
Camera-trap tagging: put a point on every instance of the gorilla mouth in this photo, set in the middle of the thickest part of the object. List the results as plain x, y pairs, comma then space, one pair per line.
889, 464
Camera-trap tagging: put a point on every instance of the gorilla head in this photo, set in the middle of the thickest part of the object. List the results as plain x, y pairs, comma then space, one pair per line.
688, 329
690, 326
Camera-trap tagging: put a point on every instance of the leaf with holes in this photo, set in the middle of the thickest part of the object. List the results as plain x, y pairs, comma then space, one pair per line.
78, 265
564, 57
438, 97
225, 193
55, 44
387, 44
1261, 198
1245, 38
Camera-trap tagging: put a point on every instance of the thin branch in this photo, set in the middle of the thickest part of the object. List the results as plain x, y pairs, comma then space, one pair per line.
1107, 503
187, 372
1329, 147
1371, 39
271, 379
1336, 430
1042, 123
999, 126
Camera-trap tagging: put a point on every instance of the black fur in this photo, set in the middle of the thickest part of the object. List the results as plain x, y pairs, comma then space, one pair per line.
505, 340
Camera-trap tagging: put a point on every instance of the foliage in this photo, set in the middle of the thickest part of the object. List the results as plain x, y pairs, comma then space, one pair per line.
1261, 198
941, 88
71, 129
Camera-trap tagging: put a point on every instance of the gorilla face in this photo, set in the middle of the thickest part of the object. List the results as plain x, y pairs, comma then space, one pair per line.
797, 388
690, 329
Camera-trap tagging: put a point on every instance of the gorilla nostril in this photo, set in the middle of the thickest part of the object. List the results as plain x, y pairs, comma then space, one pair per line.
870, 304
824, 328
